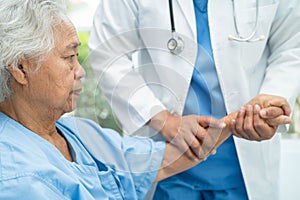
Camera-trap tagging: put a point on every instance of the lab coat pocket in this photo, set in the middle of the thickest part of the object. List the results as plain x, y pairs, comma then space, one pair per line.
248, 22
252, 52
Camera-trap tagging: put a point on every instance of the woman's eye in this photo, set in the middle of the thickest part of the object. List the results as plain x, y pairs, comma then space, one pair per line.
71, 57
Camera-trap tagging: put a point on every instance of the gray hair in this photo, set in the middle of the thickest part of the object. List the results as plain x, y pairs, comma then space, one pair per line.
26, 31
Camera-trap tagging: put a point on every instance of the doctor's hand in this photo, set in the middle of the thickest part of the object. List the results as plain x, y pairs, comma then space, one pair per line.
175, 161
274, 109
260, 121
190, 134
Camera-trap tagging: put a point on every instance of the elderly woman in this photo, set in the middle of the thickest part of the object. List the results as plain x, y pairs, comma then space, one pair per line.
46, 156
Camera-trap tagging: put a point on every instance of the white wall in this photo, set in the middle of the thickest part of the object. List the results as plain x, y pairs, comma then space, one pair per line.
290, 169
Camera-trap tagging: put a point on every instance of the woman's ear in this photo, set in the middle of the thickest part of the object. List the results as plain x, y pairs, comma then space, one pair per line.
20, 73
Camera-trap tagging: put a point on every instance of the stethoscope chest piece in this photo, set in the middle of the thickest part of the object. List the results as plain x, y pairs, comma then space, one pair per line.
175, 45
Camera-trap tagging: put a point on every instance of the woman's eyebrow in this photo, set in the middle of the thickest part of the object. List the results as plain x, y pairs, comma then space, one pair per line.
73, 45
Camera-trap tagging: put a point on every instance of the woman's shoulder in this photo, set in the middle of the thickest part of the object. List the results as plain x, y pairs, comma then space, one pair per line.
24, 156
76, 125
74, 121
85, 128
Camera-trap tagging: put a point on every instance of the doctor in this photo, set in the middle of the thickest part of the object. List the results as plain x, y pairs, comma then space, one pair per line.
229, 52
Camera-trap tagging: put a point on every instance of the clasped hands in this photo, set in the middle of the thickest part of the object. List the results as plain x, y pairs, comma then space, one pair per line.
199, 136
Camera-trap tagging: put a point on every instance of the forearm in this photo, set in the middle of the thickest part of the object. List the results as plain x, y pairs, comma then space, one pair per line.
226, 132
159, 120
174, 162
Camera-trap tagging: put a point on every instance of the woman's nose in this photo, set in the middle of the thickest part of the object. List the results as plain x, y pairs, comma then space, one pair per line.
80, 72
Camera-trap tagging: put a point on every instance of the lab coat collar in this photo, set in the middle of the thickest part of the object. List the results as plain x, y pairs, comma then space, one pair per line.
187, 8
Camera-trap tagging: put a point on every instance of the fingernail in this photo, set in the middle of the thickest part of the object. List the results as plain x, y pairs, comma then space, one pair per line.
263, 113
288, 120
256, 107
242, 109
222, 125
214, 152
249, 108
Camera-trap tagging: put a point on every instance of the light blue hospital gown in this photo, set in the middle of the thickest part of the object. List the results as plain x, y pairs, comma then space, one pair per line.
106, 166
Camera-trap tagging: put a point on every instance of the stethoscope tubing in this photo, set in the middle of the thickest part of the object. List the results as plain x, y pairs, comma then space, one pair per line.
171, 16
239, 38
250, 37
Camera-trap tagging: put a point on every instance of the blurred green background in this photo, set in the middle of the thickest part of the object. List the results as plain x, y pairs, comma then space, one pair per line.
92, 104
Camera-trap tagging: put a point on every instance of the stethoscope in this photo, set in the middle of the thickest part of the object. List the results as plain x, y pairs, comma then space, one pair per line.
176, 44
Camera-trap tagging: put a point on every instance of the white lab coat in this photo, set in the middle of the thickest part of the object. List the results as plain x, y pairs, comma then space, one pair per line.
157, 79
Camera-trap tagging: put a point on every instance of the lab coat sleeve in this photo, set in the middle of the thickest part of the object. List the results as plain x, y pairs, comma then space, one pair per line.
113, 40
283, 72
27, 187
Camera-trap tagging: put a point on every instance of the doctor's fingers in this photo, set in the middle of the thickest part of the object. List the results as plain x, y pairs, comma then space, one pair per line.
274, 116
251, 113
283, 119
271, 112
281, 102
199, 141
242, 126
264, 129
210, 141
203, 142
236, 125
191, 134
200, 134
187, 143
205, 122
267, 100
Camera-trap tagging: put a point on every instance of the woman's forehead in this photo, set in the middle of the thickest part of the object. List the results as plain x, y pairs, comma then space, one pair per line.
65, 35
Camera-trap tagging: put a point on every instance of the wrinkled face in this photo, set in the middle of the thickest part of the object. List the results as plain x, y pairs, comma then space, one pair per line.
56, 84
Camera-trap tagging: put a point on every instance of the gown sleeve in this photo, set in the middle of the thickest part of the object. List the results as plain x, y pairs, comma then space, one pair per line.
135, 161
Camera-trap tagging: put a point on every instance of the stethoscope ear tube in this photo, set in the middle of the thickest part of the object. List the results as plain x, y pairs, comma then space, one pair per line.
250, 37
